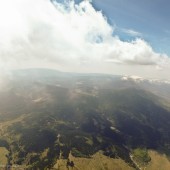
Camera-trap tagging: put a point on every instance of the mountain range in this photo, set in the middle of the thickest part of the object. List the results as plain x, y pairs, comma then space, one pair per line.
55, 120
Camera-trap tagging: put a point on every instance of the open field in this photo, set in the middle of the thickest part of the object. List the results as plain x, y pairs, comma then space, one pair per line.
97, 162
3, 158
158, 161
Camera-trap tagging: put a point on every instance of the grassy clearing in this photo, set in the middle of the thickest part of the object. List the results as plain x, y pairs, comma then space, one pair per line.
97, 162
3, 156
158, 161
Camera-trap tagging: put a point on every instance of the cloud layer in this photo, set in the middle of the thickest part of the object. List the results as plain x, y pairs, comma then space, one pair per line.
66, 36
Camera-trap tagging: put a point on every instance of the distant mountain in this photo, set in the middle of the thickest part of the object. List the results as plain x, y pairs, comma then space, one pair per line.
159, 87
47, 115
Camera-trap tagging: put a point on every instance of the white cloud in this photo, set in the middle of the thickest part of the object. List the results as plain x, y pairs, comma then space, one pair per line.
68, 36
132, 32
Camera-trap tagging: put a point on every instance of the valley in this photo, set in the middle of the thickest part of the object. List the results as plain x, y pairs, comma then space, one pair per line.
96, 121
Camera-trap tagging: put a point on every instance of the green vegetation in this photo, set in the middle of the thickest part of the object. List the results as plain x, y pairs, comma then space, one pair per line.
141, 156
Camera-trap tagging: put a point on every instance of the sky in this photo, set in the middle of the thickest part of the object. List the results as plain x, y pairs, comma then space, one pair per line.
150, 18
125, 37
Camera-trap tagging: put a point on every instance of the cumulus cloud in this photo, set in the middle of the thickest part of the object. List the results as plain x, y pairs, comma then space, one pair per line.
136, 52
46, 33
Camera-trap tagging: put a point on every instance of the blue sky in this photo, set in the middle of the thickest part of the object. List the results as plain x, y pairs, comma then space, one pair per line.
148, 17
